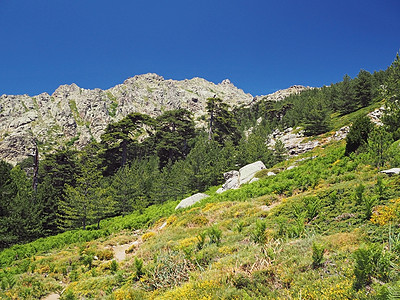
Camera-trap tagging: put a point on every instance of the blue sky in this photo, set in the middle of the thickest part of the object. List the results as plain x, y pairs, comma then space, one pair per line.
261, 46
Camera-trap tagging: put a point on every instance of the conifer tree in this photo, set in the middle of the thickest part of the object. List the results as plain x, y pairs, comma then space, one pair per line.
363, 88
346, 100
119, 136
222, 123
88, 200
174, 135
358, 134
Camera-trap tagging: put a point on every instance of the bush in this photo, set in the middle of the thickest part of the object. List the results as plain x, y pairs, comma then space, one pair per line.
317, 254
105, 254
214, 234
139, 268
114, 266
258, 235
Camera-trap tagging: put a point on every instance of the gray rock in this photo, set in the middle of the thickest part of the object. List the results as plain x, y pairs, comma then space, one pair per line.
247, 172
220, 190
392, 171
291, 167
191, 200
254, 180
271, 174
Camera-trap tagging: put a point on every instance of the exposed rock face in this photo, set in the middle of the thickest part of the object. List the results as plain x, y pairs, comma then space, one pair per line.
75, 116
191, 200
293, 140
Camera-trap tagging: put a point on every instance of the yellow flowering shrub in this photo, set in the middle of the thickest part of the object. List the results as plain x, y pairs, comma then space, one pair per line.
384, 214
194, 290
171, 220
131, 248
319, 290
187, 242
105, 254
226, 250
148, 235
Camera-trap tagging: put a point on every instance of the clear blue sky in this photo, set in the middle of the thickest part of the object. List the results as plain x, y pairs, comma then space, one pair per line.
261, 46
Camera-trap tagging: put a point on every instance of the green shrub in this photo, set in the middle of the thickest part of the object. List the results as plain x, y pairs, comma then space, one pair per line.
201, 239
68, 295
359, 193
114, 266
369, 203
214, 234
139, 268
317, 254
258, 235
371, 261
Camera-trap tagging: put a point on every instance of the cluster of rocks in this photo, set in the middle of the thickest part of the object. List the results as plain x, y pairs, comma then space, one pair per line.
293, 141
233, 180
376, 115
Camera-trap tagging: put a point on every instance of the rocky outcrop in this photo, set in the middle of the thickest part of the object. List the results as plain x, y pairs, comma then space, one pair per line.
234, 179
75, 116
191, 200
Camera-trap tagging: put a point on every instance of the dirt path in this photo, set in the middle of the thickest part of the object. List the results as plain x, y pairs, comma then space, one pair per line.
119, 251
52, 297
269, 207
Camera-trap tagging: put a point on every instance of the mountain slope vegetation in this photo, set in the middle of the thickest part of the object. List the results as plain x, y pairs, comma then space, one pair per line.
325, 228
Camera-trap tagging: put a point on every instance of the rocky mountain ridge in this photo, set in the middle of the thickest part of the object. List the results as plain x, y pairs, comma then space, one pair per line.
73, 116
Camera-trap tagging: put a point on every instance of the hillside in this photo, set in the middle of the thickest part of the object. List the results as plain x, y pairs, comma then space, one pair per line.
320, 223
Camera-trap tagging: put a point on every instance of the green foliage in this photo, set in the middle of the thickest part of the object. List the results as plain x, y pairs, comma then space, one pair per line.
318, 250
363, 88
113, 266
346, 100
222, 123
201, 239
68, 295
369, 203
214, 234
359, 193
316, 118
258, 235
174, 135
378, 145
139, 270
358, 134
371, 261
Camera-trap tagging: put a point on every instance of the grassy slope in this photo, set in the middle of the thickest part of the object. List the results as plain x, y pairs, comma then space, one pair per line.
312, 204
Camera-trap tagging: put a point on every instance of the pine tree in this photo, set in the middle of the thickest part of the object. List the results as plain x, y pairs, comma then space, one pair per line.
174, 134
316, 117
379, 142
222, 123
358, 134
346, 100
88, 201
363, 88
391, 118
120, 136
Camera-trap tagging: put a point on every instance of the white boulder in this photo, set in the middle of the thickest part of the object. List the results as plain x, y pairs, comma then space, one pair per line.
191, 200
391, 171
247, 172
